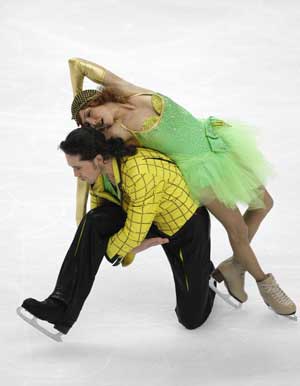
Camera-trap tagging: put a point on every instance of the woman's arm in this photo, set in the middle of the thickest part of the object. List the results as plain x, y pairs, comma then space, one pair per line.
79, 68
82, 193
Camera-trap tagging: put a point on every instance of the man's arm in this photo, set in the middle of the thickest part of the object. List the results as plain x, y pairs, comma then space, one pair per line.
145, 192
146, 244
79, 68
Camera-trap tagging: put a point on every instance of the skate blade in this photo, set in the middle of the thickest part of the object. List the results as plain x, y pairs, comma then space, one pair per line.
226, 297
291, 317
33, 322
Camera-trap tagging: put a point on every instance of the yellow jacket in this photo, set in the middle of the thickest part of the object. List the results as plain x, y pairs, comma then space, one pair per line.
151, 190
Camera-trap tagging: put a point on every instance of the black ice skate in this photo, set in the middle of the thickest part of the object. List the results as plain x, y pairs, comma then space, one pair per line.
50, 310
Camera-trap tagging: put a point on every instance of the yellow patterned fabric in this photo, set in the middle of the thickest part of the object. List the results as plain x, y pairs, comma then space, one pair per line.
152, 191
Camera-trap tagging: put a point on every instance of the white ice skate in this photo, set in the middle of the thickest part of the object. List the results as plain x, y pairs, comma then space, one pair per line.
291, 317
225, 296
276, 299
232, 274
33, 321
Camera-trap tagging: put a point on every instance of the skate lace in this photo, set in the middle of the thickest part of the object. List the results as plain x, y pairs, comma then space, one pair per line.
240, 269
277, 293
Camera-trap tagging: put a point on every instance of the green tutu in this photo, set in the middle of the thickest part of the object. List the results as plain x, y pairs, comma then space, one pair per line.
219, 160
235, 174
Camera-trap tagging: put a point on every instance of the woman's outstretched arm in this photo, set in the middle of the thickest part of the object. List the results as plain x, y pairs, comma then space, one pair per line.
80, 68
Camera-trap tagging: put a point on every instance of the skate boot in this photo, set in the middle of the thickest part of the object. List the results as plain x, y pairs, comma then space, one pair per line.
233, 274
275, 298
51, 310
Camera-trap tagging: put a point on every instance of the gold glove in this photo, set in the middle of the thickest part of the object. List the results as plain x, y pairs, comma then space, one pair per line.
79, 68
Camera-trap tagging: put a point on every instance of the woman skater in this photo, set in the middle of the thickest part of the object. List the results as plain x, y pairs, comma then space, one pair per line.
220, 162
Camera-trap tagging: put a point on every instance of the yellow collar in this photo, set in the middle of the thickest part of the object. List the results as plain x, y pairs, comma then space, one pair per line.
99, 186
116, 171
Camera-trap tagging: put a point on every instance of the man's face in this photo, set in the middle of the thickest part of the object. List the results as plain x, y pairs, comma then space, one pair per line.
87, 171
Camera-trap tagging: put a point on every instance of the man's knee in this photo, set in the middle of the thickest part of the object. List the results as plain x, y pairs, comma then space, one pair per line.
193, 320
190, 326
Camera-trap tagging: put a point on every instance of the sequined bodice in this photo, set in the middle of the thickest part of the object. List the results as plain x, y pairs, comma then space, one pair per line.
175, 131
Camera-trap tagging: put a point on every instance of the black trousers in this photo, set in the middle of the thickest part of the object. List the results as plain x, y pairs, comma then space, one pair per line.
188, 252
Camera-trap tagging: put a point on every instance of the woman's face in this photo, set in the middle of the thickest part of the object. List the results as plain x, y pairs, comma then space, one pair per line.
103, 118
97, 116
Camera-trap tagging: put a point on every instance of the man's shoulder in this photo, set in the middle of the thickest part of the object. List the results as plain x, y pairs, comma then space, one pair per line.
142, 163
144, 159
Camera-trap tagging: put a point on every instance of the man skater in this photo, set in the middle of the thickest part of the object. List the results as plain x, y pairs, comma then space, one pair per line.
138, 198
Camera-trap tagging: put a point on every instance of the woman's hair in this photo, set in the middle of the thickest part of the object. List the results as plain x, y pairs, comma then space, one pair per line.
88, 142
105, 95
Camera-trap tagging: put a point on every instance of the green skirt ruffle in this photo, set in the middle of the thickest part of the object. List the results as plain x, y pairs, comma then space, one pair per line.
234, 171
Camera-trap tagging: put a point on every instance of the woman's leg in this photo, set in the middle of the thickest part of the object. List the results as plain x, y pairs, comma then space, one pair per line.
237, 230
240, 237
254, 217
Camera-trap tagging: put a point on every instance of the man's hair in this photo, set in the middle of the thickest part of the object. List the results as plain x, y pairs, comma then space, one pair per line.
88, 142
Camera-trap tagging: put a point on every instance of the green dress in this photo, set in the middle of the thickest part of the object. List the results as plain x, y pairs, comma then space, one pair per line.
218, 160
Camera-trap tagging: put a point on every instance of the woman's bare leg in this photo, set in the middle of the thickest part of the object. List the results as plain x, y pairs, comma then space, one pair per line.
254, 217
238, 234
241, 230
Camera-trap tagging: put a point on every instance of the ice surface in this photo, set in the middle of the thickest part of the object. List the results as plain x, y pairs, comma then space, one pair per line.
226, 58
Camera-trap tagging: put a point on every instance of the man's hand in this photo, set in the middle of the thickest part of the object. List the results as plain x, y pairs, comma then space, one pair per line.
148, 243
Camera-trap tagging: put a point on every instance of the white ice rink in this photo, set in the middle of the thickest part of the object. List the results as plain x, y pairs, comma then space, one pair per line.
227, 58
